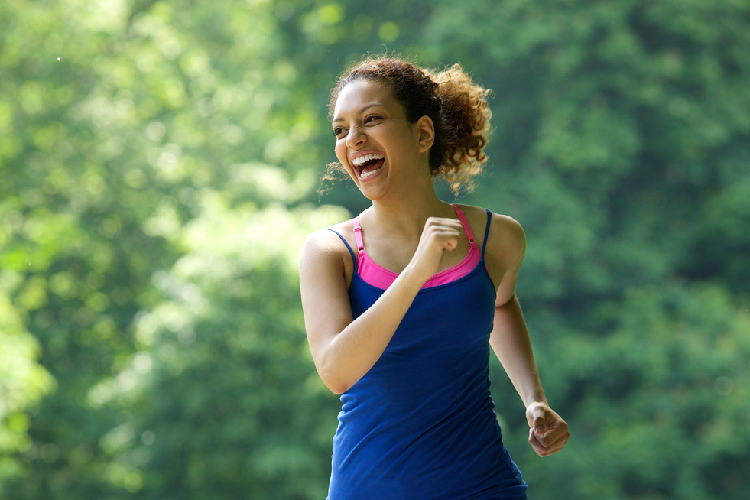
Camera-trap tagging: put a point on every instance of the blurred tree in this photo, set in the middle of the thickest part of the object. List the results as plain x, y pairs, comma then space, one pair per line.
116, 119
229, 402
74, 202
22, 384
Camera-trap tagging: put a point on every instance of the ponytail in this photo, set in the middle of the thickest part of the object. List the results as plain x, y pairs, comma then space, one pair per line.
465, 116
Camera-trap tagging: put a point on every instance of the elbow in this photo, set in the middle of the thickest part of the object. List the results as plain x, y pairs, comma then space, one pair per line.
505, 302
333, 380
336, 371
337, 390
335, 386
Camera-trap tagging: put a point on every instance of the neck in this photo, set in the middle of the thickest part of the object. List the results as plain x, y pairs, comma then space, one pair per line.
407, 214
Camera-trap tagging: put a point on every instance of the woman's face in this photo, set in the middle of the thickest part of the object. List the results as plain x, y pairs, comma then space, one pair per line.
374, 141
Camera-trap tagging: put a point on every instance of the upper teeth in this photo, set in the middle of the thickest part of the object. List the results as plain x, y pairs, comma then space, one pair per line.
359, 160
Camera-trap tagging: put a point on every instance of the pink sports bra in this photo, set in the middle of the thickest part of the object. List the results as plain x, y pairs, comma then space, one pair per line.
381, 277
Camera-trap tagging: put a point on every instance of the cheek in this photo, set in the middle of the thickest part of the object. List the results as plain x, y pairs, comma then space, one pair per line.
341, 155
340, 150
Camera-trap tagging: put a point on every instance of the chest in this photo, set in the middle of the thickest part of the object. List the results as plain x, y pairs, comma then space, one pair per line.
394, 254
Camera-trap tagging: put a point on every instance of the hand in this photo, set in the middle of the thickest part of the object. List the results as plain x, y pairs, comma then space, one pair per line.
548, 433
439, 235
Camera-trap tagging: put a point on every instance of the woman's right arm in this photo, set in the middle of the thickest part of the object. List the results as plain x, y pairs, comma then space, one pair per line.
343, 349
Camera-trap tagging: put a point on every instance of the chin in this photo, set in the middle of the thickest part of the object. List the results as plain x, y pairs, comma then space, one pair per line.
371, 194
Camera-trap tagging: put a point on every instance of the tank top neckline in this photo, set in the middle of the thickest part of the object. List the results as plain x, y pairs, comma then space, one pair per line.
378, 276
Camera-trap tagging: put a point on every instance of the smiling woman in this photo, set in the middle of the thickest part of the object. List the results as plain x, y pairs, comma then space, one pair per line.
402, 327
456, 106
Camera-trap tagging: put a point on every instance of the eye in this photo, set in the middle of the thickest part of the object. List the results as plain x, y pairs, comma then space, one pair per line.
372, 118
338, 131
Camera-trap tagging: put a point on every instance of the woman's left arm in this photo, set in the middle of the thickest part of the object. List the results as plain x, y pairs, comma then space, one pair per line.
505, 248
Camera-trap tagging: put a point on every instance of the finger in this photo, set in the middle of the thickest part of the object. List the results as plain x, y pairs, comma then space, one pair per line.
545, 451
440, 221
445, 234
535, 444
557, 445
556, 429
540, 421
443, 230
451, 243
446, 231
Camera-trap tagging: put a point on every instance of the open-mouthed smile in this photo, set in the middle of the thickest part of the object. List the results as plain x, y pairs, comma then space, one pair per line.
368, 165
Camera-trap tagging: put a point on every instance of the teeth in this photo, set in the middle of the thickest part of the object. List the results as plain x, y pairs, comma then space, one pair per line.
369, 174
365, 158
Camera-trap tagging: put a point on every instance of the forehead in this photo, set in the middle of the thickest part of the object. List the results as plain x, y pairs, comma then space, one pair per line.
361, 94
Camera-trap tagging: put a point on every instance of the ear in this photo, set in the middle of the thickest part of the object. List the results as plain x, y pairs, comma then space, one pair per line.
426, 131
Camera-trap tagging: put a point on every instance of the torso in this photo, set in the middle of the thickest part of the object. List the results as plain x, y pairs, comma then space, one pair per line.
421, 421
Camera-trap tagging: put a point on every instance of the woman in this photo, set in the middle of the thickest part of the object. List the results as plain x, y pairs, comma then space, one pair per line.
403, 302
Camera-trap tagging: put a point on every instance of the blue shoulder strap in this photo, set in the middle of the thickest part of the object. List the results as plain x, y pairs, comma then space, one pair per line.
354, 258
486, 231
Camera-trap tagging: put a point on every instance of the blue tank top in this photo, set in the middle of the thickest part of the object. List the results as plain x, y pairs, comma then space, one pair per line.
420, 424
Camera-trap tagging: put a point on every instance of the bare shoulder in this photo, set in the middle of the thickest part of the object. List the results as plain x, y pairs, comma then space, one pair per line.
504, 249
505, 237
321, 242
324, 251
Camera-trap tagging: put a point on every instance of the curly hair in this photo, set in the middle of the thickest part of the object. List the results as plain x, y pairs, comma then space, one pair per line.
456, 105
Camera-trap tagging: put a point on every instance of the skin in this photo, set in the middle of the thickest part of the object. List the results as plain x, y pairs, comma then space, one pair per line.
412, 232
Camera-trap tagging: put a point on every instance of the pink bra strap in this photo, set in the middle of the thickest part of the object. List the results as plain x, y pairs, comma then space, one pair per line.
464, 222
358, 235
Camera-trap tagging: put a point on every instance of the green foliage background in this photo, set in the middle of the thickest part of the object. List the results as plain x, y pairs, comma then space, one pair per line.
158, 170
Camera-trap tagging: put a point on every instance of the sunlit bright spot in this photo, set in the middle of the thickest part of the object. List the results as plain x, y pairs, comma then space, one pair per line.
148, 438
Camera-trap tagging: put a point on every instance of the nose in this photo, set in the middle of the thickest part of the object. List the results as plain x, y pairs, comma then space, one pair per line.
356, 137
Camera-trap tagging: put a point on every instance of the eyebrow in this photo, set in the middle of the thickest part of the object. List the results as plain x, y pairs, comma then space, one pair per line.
361, 110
